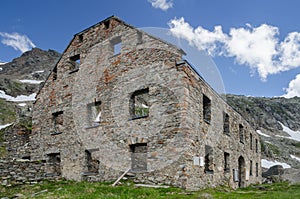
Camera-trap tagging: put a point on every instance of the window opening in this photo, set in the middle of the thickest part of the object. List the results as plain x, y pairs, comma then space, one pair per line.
140, 103
80, 38
58, 122
92, 165
106, 24
116, 45
117, 48
55, 73
206, 109
138, 157
226, 162
209, 165
74, 63
94, 113
250, 168
139, 37
256, 145
241, 133
251, 140
54, 164
256, 166
26, 157
226, 123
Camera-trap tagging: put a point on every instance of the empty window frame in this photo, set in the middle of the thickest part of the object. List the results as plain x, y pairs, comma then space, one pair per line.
139, 37
139, 103
116, 45
58, 121
80, 38
74, 63
256, 168
251, 141
106, 24
54, 73
208, 160
206, 109
92, 165
138, 157
241, 133
226, 123
94, 113
226, 162
256, 145
53, 164
250, 169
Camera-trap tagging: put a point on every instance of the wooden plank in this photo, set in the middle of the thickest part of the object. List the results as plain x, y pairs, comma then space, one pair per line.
151, 186
114, 184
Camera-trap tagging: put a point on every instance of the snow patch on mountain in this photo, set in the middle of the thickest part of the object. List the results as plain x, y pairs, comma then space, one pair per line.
19, 98
29, 81
294, 135
295, 157
4, 126
269, 163
261, 133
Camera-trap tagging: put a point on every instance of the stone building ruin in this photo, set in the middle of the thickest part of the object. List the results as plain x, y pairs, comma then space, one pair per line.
122, 99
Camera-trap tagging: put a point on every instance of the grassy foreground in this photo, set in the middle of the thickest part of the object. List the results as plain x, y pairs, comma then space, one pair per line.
71, 189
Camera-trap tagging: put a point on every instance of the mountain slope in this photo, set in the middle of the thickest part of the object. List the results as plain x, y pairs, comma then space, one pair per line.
277, 120
34, 65
20, 80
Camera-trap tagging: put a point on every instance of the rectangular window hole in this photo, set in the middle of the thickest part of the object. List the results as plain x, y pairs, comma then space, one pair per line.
139, 105
138, 157
73, 63
241, 133
226, 124
206, 109
226, 162
94, 114
58, 121
208, 160
53, 164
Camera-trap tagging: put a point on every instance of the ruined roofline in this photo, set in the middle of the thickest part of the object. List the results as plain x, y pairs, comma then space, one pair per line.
138, 29
192, 68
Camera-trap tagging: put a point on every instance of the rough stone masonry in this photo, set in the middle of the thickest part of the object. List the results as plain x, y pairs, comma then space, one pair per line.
122, 99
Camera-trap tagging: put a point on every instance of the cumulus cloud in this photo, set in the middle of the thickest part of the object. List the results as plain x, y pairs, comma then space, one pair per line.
294, 88
258, 48
161, 4
17, 41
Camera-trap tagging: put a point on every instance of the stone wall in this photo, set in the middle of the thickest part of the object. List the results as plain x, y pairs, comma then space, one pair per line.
20, 171
211, 133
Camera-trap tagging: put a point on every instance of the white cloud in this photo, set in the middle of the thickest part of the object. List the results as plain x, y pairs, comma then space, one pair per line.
17, 41
255, 47
294, 88
201, 38
258, 48
161, 4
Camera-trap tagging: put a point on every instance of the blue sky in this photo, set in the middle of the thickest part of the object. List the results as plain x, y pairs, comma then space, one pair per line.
254, 44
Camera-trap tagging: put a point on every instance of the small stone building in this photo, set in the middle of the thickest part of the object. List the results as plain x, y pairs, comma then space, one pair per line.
120, 99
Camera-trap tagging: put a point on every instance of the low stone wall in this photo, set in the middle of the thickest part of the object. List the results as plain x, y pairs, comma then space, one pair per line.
21, 171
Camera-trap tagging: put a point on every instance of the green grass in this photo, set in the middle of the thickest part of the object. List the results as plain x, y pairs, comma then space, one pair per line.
85, 190
7, 112
274, 149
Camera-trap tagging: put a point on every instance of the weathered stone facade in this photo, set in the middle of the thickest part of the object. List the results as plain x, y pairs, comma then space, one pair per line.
121, 99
